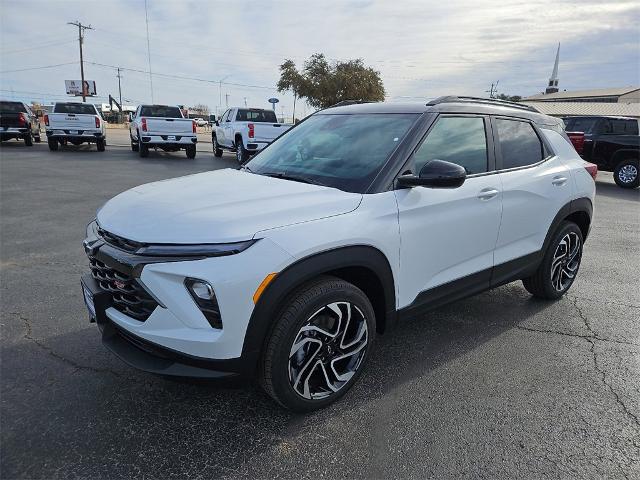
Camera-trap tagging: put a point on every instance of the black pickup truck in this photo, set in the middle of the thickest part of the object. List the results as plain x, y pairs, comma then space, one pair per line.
612, 143
18, 121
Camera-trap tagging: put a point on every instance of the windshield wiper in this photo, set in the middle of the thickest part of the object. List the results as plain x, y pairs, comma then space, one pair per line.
295, 178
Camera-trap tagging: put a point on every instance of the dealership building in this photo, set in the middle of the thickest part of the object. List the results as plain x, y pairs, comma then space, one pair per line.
622, 102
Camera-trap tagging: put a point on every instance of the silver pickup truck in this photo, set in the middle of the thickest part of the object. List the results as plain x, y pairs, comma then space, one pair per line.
246, 131
164, 127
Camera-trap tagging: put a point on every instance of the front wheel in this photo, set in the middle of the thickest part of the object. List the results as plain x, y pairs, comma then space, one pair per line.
191, 151
53, 144
626, 174
560, 264
37, 138
319, 344
134, 144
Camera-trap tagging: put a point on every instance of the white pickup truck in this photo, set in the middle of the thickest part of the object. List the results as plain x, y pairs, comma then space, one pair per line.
76, 123
246, 131
164, 127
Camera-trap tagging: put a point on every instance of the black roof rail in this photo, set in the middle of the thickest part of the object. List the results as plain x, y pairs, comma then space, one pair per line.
488, 101
349, 102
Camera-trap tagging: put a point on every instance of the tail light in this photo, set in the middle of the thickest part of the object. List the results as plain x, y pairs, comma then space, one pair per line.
193, 125
577, 139
592, 169
144, 124
252, 130
46, 120
97, 122
22, 119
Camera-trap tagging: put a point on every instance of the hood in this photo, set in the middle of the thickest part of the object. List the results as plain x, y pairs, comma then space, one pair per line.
217, 207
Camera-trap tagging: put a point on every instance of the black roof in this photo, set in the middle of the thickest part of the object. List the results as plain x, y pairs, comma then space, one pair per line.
449, 104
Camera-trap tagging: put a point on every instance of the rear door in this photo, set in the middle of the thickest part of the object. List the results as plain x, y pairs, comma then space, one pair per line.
228, 126
449, 234
535, 186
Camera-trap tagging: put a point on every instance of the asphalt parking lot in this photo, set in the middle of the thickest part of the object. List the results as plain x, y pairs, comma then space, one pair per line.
495, 386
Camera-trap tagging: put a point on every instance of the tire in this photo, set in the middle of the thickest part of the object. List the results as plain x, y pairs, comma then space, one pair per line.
217, 151
37, 138
242, 155
28, 140
53, 144
626, 173
100, 144
134, 144
319, 303
560, 264
143, 150
191, 151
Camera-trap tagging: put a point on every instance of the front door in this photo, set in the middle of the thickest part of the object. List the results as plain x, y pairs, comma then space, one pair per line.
448, 235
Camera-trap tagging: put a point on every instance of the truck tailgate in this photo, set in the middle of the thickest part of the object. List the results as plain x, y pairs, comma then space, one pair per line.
169, 125
72, 121
266, 132
11, 120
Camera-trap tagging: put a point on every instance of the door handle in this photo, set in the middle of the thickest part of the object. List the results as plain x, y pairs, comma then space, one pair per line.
487, 193
559, 181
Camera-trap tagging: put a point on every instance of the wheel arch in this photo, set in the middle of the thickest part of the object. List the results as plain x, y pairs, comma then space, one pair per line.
624, 154
364, 266
578, 211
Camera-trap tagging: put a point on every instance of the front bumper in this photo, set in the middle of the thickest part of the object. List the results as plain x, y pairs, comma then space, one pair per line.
176, 338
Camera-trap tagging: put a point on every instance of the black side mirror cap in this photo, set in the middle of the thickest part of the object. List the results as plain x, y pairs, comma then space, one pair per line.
436, 174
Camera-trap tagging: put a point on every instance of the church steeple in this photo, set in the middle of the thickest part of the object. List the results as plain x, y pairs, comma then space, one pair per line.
553, 81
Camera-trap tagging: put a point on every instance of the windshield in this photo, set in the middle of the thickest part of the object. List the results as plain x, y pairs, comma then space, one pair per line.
341, 151
585, 125
160, 111
12, 107
255, 115
80, 108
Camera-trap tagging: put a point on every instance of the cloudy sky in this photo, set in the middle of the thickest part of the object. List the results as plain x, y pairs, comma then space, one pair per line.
421, 48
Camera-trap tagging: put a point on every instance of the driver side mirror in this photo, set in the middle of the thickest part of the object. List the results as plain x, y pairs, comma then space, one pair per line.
436, 174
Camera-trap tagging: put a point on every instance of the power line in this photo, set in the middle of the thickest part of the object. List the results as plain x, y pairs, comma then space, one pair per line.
35, 47
39, 68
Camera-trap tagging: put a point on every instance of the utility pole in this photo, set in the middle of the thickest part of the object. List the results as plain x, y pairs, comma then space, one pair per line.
119, 87
493, 91
81, 29
226, 98
146, 18
245, 101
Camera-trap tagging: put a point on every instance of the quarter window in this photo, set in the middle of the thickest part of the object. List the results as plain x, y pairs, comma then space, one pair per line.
459, 140
519, 143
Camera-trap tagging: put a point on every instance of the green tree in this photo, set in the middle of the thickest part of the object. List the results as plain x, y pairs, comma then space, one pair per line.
323, 84
511, 98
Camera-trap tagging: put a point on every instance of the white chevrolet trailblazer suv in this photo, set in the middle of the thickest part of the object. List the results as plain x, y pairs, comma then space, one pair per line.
359, 216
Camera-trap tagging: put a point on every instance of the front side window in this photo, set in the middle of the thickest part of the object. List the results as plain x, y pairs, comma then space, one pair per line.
459, 140
341, 151
519, 143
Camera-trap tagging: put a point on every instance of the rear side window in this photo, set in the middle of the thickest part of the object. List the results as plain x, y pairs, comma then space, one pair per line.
12, 107
621, 126
256, 115
459, 140
160, 111
585, 125
519, 143
78, 108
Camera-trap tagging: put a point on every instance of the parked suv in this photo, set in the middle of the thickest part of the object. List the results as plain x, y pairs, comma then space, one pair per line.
612, 143
359, 216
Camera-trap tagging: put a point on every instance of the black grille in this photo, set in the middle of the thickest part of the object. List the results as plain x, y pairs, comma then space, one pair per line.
119, 242
128, 295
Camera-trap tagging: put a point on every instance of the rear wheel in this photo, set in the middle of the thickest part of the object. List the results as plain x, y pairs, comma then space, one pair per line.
560, 264
28, 140
191, 151
242, 155
319, 344
626, 173
143, 150
53, 144
101, 143
217, 151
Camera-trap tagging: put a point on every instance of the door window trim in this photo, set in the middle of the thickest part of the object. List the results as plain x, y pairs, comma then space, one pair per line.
498, 149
